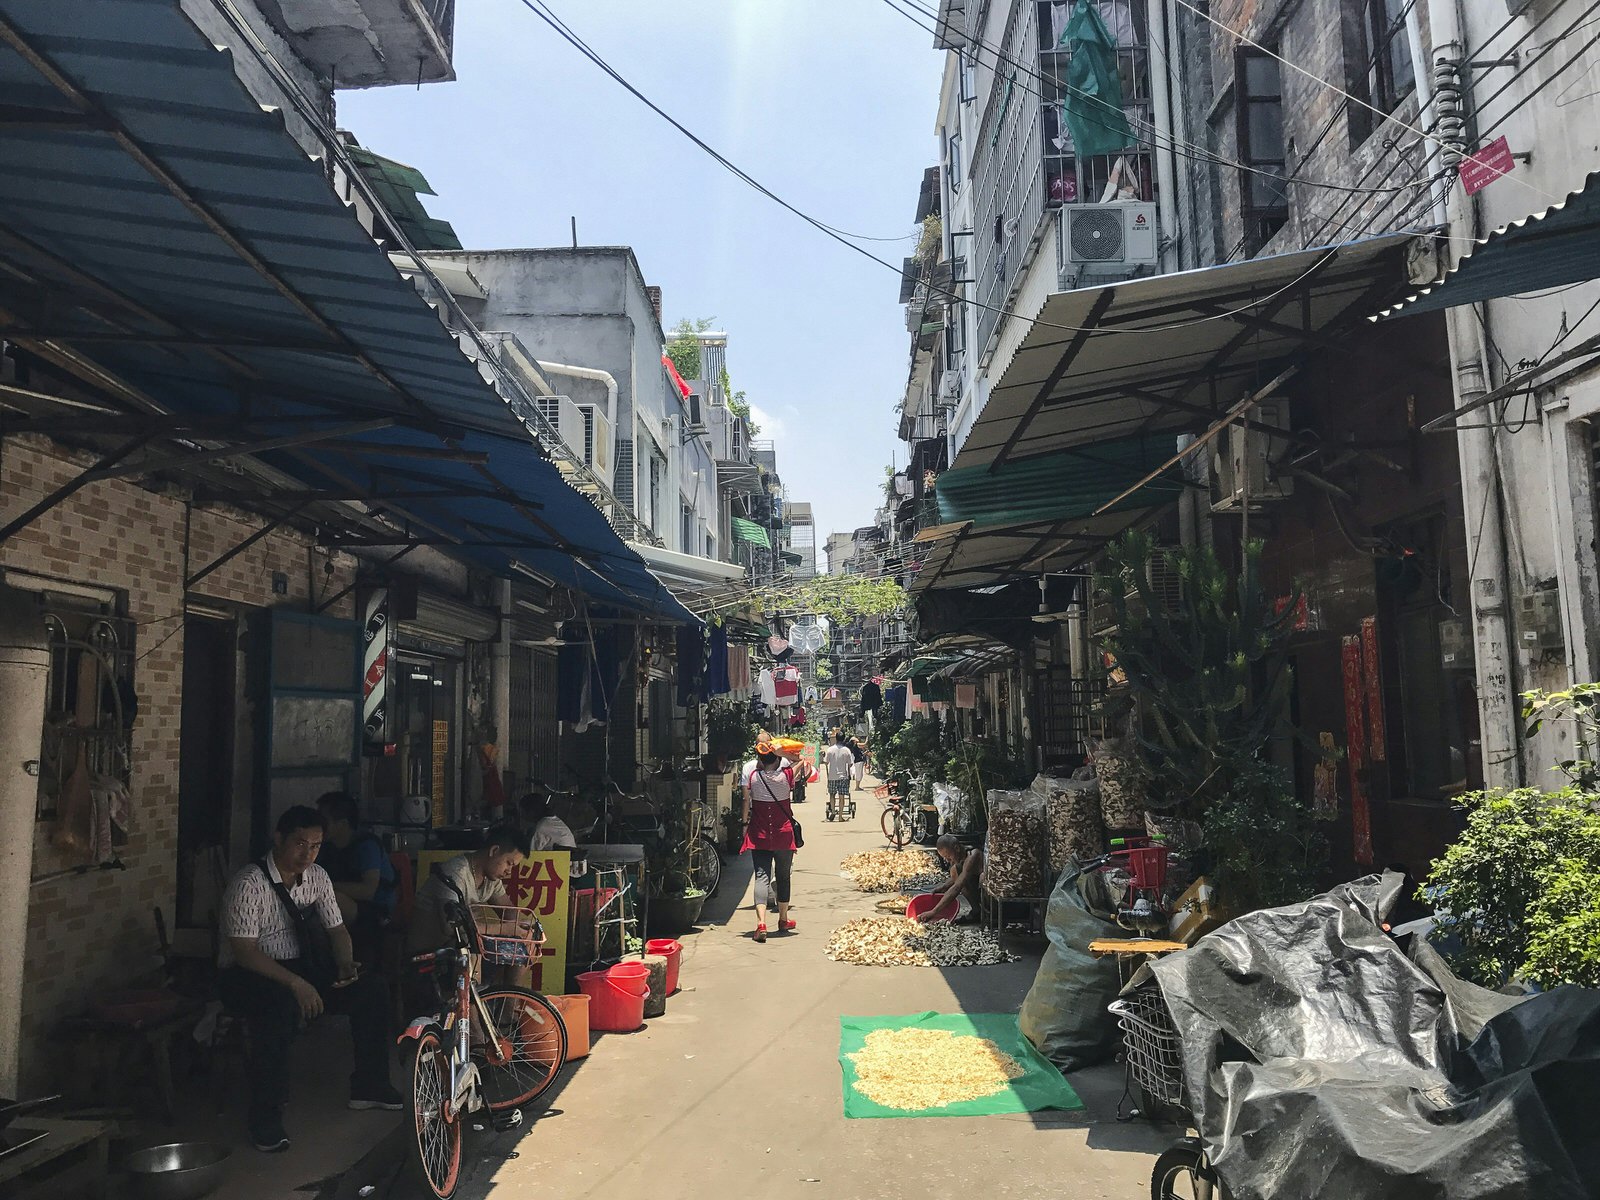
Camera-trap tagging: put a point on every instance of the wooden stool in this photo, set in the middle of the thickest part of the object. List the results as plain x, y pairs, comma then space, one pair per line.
119, 1051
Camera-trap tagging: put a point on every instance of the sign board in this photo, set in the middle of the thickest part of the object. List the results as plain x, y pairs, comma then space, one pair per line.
1481, 169
543, 885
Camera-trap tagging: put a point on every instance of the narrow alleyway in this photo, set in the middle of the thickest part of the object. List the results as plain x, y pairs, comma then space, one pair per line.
736, 1090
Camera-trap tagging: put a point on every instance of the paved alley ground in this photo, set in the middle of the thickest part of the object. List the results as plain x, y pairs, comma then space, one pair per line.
736, 1091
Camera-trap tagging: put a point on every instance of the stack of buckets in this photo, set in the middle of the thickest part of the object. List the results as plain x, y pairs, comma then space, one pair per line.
617, 995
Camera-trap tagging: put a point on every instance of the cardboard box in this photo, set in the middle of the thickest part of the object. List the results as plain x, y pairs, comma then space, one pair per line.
1196, 913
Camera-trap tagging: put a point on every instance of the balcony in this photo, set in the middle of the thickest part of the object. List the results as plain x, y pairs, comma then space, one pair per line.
369, 43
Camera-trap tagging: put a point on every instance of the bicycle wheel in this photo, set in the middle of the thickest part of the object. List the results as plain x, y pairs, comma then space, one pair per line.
1183, 1173
532, 1041
895, 827
705, 864
436, 1161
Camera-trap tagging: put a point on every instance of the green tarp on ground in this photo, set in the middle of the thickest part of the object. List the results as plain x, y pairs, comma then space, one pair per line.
1039, 1087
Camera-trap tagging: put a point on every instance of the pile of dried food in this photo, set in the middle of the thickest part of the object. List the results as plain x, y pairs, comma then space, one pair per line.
895, 871
902, 942
916, 1069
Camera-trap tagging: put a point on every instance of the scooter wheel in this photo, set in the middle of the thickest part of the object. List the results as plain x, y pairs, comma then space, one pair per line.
1183, 1172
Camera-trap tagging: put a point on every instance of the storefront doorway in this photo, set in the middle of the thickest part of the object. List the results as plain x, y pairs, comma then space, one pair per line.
205, 764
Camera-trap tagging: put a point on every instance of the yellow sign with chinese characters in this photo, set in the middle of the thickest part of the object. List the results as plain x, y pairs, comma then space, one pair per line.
543, 886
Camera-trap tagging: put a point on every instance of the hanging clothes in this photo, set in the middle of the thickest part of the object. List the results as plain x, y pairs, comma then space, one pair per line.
894, 699
871, 697
717, 673
966, 695
691, 665
786, 686
766, 692
739, 669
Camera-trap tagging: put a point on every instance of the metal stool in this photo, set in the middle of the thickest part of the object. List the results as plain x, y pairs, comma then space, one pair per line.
619, 916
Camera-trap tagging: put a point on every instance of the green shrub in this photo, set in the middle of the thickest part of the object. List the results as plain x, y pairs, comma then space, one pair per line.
1521, 887
1265, 847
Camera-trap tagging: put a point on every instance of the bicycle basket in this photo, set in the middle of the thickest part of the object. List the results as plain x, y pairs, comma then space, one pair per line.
511, 936
1152, 1045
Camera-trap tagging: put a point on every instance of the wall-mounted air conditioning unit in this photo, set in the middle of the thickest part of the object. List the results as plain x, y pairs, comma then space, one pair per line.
1246, 458
1105, 239
697, 423
950, 387
595, 444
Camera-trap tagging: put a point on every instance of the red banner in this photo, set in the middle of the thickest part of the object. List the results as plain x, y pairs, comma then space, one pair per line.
1356, 749
1377, 739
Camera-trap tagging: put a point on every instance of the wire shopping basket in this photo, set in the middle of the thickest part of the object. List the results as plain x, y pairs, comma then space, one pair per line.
511, 936
1153, 1048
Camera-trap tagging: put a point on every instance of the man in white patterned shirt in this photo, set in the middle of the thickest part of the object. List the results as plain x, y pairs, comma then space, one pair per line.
285, 959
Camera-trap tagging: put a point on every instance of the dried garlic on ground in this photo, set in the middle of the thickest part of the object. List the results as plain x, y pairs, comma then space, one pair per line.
917, 1069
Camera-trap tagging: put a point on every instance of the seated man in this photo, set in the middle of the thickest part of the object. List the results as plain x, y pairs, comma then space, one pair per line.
536, 814
363, 877
480, 876
286, 958
960, 900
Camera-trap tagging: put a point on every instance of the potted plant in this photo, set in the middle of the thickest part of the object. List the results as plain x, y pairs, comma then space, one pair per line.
675, 902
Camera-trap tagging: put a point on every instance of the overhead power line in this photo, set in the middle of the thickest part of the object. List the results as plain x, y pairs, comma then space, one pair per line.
542, 11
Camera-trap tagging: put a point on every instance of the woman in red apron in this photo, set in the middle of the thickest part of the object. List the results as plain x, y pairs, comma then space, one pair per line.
769, 834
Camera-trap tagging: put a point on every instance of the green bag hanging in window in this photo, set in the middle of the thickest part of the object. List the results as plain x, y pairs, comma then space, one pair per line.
1092, 106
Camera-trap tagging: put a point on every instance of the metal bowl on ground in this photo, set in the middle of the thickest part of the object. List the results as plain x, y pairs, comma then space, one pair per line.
177, 1171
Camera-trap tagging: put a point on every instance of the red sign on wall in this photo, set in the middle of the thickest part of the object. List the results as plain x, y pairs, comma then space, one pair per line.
1479, 170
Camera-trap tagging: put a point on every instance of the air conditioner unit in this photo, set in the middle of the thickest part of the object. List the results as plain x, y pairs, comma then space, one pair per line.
594, 443
1105, 239
1246, 459
696, 417
950, 386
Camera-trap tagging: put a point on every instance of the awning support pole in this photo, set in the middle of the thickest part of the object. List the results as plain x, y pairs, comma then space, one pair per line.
80, 481
228, 556
1232, 415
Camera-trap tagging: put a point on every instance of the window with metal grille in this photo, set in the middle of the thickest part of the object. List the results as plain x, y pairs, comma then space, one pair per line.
1258, 95
1378, 54
1070, 178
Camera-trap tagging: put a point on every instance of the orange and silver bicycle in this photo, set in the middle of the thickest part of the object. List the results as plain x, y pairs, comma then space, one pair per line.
494, 1048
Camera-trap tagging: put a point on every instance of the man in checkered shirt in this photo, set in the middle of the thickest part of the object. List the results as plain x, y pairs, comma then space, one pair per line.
265, 976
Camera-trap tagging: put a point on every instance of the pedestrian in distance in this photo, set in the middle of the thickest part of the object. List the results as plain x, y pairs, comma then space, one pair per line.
858, 772
769, 835
839, 763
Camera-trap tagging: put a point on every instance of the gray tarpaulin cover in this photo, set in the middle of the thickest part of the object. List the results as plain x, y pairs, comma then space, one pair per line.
1325, 1059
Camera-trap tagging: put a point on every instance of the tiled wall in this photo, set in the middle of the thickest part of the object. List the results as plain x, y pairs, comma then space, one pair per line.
92, 932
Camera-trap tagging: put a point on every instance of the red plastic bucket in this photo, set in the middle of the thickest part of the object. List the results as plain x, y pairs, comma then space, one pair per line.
671, 950
631, 977
612, 1007
924, 904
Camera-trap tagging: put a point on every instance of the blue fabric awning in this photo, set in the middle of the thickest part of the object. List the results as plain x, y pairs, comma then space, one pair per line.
202, 264
1548, 249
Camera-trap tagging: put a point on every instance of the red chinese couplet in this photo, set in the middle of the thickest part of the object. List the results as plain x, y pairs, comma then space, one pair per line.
1479, 170
1377, 747
1356, 733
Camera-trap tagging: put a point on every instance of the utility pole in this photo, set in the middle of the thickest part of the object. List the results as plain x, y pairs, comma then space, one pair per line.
1495, 653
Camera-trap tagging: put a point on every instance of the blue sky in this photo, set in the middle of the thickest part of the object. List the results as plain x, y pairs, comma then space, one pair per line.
830, 103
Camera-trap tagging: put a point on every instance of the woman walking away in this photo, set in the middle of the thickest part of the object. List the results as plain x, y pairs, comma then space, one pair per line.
769, 834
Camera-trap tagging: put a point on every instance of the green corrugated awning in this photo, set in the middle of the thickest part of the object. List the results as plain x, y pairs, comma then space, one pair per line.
749, 531
1064, 486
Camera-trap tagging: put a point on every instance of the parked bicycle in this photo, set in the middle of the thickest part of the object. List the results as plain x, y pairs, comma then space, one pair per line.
1153, 1052
496, 1048
899, 819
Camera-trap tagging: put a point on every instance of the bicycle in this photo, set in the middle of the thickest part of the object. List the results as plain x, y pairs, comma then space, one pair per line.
639, 819
899, 819
1153, 1052
496, 1048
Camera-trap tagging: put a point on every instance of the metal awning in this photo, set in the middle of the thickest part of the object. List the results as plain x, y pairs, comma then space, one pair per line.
208, 287
1547, 249
1172, 353
1042, 513
690, 572
748, 531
